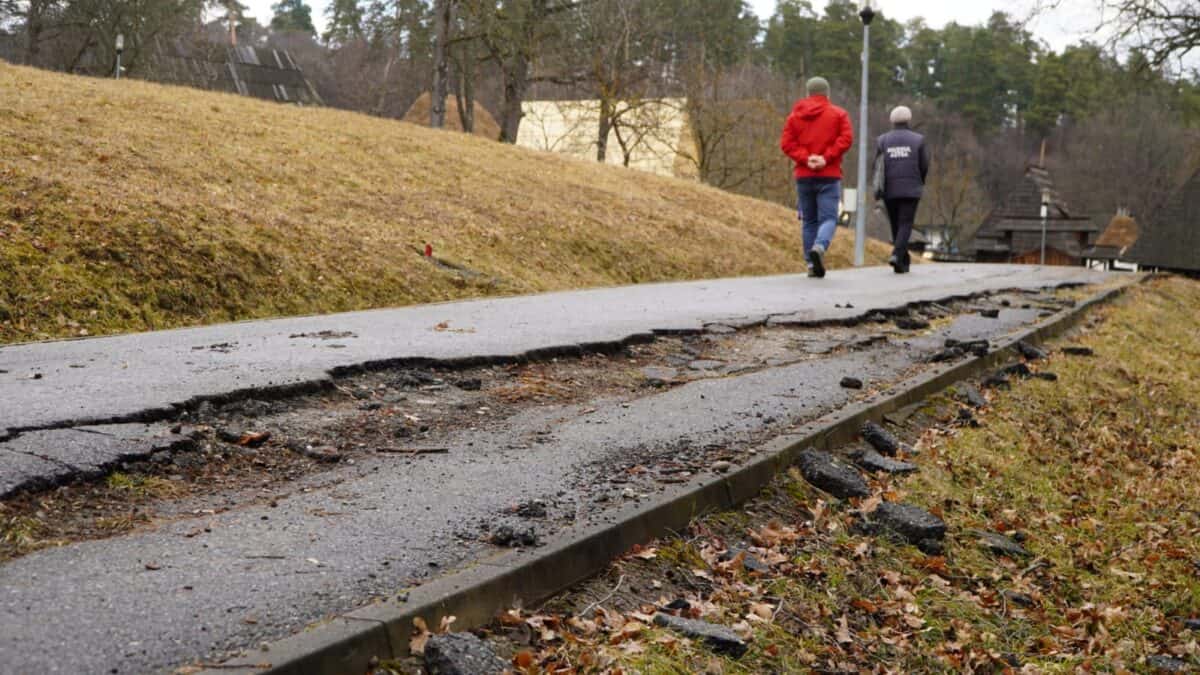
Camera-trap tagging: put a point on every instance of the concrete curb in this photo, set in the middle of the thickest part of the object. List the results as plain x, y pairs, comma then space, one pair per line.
475, 595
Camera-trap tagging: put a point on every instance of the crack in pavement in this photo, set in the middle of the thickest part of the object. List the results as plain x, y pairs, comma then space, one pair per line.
405, 522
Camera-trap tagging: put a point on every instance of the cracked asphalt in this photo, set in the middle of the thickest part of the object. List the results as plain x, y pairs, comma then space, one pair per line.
173, 594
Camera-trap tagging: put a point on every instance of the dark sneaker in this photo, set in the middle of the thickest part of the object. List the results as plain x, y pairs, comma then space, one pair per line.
816, 263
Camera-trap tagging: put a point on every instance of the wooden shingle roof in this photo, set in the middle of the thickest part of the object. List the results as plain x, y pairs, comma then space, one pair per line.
1172, 240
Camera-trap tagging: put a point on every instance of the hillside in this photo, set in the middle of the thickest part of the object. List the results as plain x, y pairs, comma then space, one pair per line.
129, 206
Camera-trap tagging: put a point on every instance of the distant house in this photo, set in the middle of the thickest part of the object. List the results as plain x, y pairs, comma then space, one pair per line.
1112, 248
1172, 241
250, 71
653, 136
1013, 232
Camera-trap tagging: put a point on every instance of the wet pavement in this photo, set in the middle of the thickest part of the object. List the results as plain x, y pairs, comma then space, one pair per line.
207, 583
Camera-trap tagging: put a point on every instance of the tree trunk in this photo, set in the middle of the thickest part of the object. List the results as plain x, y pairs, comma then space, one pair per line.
444, 16
606, 117
516, 83
465, 92
35, 24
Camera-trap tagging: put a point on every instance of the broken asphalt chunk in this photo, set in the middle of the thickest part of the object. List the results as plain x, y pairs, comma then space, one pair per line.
972, 395
990, 313
909, 323
1030, 352
998, 543
830, 475
461, 654
947, 354
873, 461
914, 524
996, 381
1019, 599
1167, 664
470, 384
1079, 351
852, 383
508, 537
1016, 370
881, 439
720, 639
660, 377
749, 561
1049, 377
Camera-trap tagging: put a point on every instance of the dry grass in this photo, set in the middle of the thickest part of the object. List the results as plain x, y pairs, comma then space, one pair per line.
129, 206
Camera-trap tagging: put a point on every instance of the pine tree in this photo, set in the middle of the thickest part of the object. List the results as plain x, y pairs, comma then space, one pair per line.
292, 15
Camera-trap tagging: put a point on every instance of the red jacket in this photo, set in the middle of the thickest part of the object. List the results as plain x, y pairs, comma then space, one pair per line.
817, 127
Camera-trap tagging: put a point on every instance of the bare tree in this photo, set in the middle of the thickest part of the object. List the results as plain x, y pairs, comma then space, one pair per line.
444, 23
1131, 156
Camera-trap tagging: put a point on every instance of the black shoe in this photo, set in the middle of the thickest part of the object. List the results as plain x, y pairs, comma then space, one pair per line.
894, 261
816, 263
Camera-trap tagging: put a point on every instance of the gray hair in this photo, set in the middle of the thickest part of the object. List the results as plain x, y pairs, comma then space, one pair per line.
901, 115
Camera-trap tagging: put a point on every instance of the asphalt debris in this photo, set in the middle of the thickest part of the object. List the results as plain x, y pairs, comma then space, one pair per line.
827, 473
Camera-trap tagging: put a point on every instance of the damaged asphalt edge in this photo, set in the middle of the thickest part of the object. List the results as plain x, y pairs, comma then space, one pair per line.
474, 595
327, 383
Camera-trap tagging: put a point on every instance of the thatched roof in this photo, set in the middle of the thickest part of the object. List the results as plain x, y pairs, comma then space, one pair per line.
1172, 240
1121, 233
485, 124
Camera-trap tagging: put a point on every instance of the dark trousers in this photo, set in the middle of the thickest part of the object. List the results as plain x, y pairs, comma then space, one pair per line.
902, 213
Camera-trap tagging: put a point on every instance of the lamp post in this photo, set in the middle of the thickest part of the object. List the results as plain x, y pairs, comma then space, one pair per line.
120, 45
867, 14
1045, 215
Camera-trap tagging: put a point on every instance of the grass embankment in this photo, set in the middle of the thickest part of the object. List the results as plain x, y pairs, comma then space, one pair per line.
1098, 470
128, 206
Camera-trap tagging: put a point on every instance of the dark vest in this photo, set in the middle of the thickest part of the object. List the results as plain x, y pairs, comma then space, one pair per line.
905, 163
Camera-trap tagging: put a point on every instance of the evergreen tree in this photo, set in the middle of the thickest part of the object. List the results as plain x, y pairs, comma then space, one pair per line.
345, 21
292, 15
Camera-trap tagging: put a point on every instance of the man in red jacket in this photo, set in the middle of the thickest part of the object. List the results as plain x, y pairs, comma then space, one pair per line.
816, 136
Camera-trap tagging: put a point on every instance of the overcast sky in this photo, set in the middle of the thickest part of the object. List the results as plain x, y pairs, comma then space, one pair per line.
1059, 29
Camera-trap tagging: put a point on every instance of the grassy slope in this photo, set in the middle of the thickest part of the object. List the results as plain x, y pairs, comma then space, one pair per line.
129, 206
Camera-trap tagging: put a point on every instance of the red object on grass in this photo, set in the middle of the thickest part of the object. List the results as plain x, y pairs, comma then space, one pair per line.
428, 250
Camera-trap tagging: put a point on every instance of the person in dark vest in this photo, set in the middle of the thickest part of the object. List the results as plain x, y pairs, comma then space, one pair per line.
816, 137
901, 165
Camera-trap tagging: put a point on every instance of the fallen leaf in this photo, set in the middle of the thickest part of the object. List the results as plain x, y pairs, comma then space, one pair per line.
843, 631
417, 644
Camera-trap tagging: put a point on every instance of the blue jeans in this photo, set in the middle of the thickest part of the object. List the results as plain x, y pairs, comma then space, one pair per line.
818, 206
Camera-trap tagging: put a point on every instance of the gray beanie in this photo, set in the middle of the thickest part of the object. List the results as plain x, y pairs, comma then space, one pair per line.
901, 115
817, 85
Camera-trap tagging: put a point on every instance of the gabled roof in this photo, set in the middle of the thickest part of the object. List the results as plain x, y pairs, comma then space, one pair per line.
259, 72
1172, 240
1021, 210
1116, 240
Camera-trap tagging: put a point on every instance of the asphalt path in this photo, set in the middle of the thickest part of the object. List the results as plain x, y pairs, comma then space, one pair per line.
205, 585
70, 383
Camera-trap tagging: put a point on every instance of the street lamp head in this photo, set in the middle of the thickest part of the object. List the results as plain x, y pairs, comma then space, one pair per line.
120, 42
867, 12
